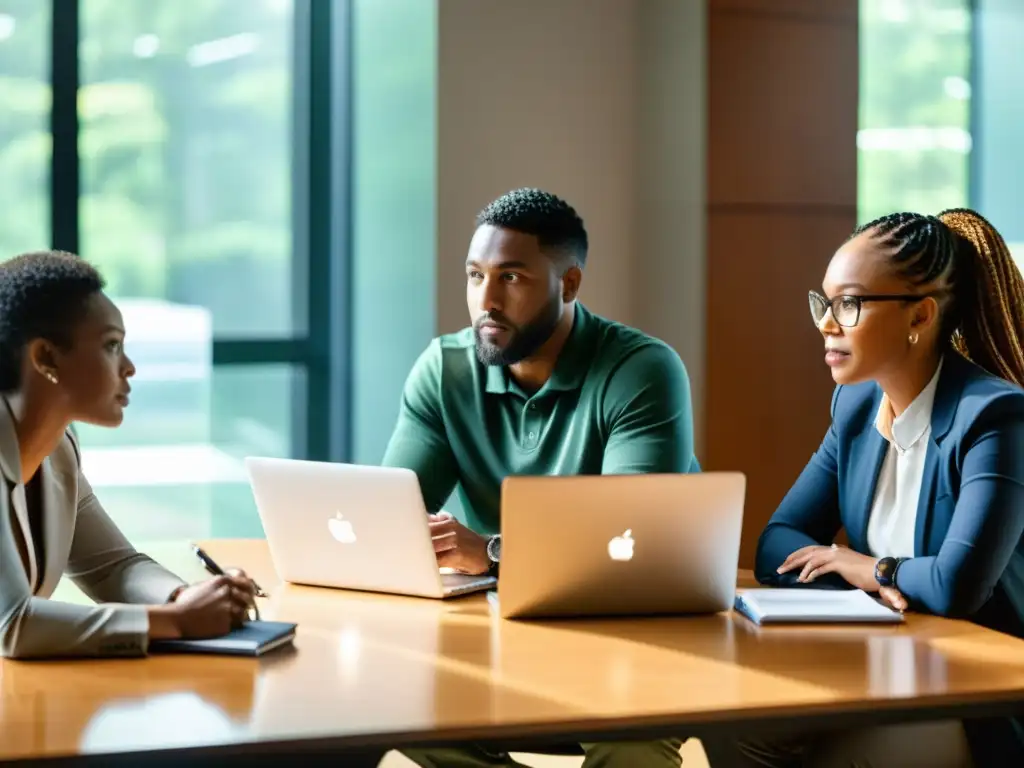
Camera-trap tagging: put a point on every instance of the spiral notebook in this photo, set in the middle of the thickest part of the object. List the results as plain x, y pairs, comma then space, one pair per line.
821, 606
254, 638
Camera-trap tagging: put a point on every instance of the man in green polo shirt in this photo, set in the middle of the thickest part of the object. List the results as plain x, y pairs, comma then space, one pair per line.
538, 385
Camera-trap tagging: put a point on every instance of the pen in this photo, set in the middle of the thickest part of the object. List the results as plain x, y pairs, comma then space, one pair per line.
216, 570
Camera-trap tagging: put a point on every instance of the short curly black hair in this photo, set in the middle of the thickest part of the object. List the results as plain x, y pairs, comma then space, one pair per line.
42, 295
554, 222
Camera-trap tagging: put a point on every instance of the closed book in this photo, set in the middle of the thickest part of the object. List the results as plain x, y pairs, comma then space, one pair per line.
813, 606
254, 638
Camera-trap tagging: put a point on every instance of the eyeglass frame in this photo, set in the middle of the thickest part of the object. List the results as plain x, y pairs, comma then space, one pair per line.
830, 304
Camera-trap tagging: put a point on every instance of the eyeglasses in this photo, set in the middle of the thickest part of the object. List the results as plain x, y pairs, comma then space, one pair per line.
846, 309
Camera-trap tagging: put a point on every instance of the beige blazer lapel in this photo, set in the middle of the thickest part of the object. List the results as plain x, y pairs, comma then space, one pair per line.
60, 505
10, 465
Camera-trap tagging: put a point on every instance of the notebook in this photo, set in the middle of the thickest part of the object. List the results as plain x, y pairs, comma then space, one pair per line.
793, 606
254, 638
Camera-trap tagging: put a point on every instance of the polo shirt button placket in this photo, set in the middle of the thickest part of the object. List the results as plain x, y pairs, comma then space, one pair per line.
531, 427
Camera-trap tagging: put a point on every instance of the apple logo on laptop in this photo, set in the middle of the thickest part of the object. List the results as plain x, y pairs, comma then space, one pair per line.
621, 547
341, 529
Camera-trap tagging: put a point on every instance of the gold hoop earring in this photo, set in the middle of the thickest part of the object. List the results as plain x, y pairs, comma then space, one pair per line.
913, 338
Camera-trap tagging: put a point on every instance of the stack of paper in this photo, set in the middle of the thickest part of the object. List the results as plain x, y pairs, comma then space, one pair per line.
792, 606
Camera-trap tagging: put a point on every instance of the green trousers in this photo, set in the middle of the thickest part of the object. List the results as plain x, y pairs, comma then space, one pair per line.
609, 754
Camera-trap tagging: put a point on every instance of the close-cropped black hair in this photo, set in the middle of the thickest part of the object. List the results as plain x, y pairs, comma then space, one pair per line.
962, 253
42, 295
554, 222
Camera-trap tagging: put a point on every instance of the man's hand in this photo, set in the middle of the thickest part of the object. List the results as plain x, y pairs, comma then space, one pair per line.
814, 561
456, 546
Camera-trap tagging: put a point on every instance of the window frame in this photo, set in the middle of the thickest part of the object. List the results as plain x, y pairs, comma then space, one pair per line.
321, 214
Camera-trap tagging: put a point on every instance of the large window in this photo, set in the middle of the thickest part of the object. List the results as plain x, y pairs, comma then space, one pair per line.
198, 141
185, 153
914, 138
24, 125
941, 109
185, 145
998, 114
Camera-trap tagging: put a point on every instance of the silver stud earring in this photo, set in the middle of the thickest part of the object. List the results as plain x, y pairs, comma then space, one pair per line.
50, 377
913, 338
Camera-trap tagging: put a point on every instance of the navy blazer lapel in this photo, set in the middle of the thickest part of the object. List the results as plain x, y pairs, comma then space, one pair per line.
926, 498
955, 370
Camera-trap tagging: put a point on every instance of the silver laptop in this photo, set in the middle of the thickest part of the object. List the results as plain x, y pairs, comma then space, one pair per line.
594, 545
351, 527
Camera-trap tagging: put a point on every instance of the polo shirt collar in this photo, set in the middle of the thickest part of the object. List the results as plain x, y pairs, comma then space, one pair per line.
570, 369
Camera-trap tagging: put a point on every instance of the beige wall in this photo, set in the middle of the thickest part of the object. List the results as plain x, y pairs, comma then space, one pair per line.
669, 268
602, 103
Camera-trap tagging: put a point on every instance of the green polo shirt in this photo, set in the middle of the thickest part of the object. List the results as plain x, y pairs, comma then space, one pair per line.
618, 402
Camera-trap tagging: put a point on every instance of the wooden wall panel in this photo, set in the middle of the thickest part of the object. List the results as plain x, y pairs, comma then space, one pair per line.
782, 193
820, 9
781, 91
768, 389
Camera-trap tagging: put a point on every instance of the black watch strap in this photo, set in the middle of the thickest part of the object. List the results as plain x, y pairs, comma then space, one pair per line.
886, 569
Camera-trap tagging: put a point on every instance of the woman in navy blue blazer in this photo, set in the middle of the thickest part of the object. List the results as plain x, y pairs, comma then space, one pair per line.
923, 466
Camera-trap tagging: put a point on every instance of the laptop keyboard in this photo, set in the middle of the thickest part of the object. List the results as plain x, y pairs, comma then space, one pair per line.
461, 582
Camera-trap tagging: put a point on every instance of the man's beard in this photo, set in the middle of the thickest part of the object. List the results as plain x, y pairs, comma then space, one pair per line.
523, 341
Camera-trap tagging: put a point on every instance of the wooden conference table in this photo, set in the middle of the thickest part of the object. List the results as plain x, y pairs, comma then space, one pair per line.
386, 672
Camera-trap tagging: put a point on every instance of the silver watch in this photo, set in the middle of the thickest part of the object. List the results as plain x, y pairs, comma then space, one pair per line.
494, 548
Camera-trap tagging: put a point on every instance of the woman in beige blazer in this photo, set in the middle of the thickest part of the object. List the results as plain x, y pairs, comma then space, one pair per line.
62, 360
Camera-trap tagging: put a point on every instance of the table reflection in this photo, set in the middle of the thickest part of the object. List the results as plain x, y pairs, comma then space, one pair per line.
385, 667
167, 720
91, 706
365, 658
373, 659
616, 667
890, 661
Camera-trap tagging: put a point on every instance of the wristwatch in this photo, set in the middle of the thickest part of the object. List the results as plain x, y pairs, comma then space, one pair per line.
885, 571
495, 549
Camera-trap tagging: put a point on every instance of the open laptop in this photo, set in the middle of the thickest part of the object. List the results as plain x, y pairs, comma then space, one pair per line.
351, 527
601, 545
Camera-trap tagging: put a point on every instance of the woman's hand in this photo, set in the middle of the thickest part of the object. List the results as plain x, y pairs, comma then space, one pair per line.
208, 608
241, 588
814, 561
893, 598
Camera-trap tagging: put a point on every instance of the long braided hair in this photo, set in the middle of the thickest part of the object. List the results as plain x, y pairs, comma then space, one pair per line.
983, 306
